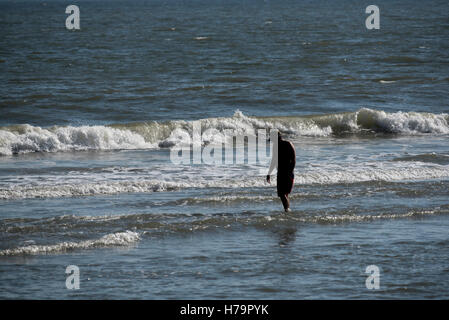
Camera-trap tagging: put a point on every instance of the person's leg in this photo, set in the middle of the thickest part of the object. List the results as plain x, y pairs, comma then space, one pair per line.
285, 201
284, 187
288, 203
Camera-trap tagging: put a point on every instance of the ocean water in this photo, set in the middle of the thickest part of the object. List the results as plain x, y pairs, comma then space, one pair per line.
89, 120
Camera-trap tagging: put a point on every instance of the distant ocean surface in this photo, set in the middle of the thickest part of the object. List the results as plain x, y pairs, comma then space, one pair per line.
89, 119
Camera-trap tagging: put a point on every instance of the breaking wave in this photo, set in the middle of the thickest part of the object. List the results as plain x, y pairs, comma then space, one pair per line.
153, 134
26, 138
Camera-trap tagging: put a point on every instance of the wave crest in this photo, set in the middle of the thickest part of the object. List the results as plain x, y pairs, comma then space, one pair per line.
26, 138
113, 239
153, 134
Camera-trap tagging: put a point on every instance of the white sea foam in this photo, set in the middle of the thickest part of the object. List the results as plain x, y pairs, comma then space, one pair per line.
113, 239
326, 174
27, 138
343, 218
373, 172
403, 122
387, 81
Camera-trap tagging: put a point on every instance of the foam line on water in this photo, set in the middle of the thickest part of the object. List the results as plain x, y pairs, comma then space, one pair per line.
360, 173
113, 239
25, 138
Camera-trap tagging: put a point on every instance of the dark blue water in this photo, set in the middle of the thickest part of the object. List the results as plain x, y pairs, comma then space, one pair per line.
158, 60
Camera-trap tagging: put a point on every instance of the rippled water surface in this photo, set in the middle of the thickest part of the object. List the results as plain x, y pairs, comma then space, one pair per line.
89, 119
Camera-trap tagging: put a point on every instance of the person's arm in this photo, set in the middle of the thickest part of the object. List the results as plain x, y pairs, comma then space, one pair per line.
274, 160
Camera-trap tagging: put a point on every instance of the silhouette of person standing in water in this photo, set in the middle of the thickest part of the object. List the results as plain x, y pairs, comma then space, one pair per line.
284, 160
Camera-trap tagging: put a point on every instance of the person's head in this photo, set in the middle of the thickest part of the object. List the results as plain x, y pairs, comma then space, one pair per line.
279, 135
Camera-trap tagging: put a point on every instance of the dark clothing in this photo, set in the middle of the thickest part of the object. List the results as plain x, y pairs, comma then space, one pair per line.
285, 183
286, 165
286, 158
